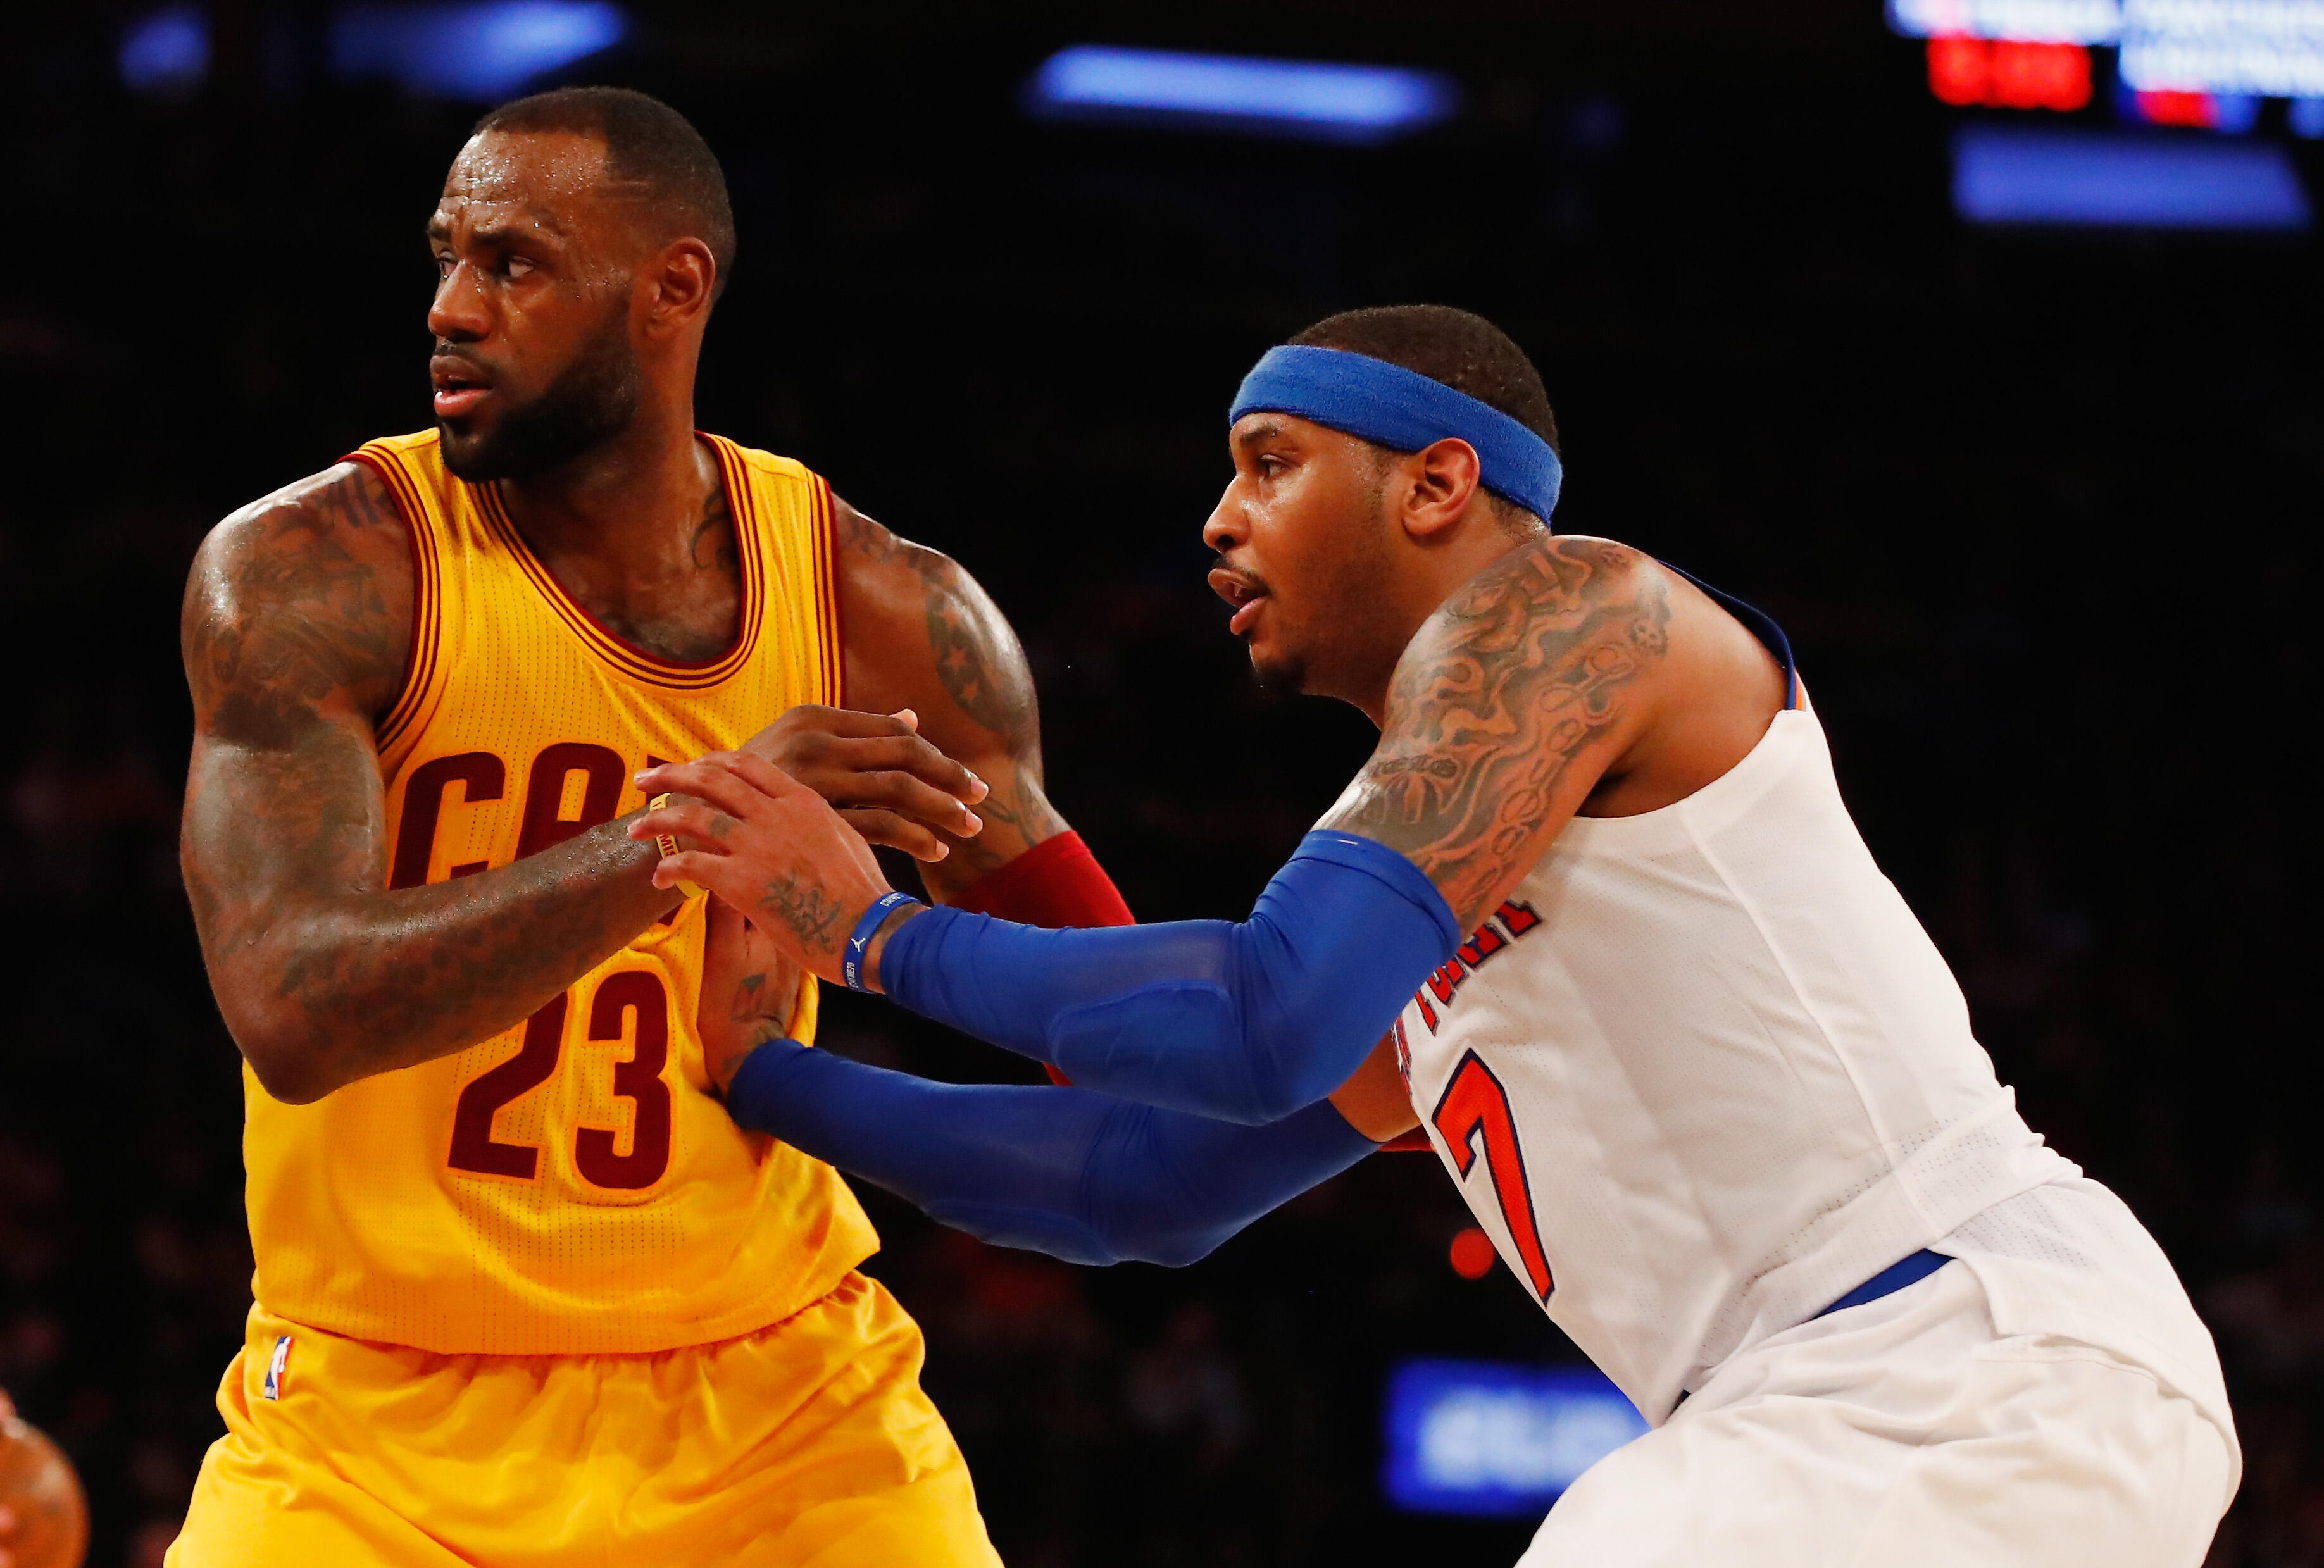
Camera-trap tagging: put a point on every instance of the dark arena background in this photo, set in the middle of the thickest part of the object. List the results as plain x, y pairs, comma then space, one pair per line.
1987, 359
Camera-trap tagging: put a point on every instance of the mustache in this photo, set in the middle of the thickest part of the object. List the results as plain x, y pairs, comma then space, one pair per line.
1221, 566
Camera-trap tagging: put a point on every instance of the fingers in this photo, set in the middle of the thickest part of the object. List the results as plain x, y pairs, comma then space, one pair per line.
852, 723
841, 740
711, 779
697, 827
729, 779
757, 771
688, 865
898, 791
950, 786
879, 826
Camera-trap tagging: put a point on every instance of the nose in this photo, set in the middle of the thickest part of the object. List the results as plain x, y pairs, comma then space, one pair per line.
457, 313
1226, 526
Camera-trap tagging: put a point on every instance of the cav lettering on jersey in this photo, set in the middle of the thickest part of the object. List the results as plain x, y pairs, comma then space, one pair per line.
571, 787
1507, 923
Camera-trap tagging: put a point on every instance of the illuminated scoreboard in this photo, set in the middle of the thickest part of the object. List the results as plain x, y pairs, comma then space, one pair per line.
2207, 63
2252, 68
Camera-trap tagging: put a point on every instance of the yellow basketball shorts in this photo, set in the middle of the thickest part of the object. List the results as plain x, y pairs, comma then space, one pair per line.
807, 1442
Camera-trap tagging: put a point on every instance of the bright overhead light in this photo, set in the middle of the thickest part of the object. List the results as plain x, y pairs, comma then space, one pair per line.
167, 51
1312, 99
479, 52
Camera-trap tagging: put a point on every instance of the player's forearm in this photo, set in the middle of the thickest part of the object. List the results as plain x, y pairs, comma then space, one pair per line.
1247, 1022
329, 989
1057, 1170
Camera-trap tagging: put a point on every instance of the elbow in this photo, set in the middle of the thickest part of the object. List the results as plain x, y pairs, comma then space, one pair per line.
1172, 1251
284, 1060
1287, 1091
286, 1077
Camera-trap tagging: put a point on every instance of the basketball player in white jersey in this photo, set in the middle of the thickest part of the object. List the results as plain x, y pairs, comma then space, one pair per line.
1697, 1069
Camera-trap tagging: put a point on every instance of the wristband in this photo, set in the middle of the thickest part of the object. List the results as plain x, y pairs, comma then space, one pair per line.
851, 963
668, 845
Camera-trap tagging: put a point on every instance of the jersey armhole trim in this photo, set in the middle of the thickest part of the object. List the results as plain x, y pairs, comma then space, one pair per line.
834, 623
427, 619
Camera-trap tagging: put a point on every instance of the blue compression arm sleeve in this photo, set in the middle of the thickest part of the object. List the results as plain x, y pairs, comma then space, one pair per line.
1062, 1171
1244, 1022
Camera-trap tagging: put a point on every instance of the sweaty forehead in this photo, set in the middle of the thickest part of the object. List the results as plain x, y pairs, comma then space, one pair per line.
551, 179
1269, 428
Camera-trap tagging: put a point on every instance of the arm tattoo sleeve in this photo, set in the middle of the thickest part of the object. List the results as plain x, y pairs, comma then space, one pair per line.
1498, 709
972, 687
295, 628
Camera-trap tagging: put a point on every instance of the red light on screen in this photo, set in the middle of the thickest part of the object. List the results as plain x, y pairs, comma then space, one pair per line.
1472, 1254
2196, 110
2004, 73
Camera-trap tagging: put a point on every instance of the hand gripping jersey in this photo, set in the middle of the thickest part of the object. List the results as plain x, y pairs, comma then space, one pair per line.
1703, 1073
569, 1186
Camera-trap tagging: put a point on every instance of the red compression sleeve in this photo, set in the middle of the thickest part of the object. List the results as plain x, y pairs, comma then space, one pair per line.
1055, 883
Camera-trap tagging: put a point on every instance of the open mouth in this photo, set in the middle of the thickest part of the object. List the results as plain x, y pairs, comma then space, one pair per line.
1245, 593
459, 385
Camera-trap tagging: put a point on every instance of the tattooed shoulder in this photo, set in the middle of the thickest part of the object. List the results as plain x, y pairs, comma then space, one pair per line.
301, 594
978, 661
1509, 703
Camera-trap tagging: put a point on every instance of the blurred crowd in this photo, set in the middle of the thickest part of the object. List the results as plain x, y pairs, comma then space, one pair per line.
2040, 515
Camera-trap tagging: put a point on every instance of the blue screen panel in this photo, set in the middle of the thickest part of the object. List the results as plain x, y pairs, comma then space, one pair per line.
2048, 175
1488, 1439
481, 51
1286, 98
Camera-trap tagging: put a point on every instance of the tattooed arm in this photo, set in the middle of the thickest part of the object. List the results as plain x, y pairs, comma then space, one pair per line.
296, 628
1506, 709
922, 634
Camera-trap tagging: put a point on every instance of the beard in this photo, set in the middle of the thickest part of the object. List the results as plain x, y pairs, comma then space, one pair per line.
1334, 650
593, 400
1280, 677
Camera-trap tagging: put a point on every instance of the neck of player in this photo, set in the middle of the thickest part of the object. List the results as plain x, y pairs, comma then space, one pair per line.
636, 499
1434, 569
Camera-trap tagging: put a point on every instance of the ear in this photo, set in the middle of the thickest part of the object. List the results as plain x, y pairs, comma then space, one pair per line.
675, 284
1440, 482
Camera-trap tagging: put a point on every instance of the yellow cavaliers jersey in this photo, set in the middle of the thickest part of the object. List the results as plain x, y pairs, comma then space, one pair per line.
569, 1186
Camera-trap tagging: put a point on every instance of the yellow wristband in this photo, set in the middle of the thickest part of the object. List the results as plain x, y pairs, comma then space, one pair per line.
669, 845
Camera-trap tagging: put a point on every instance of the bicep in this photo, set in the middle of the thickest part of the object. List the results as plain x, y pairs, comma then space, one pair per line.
1374, 1099
923, 634
1509, 705
294, 633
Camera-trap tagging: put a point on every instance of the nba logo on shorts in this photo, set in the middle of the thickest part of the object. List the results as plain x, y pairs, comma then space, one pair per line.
275, 1363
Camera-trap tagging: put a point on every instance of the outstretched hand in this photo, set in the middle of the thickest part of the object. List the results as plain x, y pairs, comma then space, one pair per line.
890, 786
768, 845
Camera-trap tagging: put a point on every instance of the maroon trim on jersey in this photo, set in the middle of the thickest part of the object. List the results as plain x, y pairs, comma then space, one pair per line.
837, 620
619, 650
419, 658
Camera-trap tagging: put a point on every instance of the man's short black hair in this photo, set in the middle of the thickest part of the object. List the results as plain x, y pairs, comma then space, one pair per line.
1467, 353
645, 141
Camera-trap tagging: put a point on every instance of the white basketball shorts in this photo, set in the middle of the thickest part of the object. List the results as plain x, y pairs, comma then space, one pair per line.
1910, 1431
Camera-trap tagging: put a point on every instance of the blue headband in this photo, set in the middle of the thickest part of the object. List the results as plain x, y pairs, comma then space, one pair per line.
1405, 410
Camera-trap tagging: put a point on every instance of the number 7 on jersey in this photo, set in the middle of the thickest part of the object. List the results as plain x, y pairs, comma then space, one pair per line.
1475, 1105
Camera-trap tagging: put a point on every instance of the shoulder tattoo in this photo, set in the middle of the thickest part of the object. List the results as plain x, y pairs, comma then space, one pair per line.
1531, 664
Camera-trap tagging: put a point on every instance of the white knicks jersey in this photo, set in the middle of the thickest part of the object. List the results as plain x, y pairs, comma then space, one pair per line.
1704, 1073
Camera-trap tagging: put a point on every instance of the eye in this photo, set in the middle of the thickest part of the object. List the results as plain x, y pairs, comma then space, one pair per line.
516, 267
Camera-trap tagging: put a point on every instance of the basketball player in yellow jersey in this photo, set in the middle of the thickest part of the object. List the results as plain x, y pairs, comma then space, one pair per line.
525, 1294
